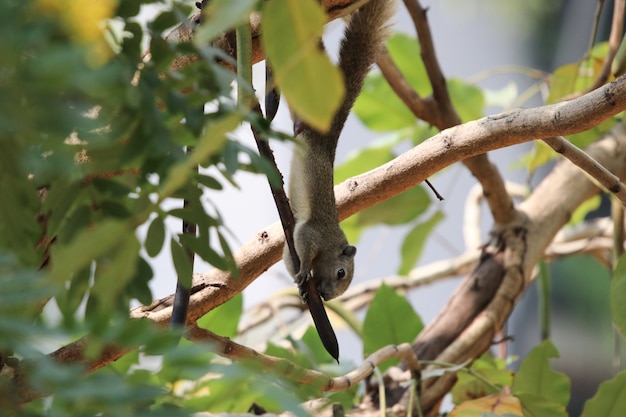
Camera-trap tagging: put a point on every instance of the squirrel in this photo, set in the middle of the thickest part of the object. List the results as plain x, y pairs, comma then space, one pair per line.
320, 243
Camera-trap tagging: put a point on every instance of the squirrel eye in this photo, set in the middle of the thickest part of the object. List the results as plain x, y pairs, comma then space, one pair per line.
341, 273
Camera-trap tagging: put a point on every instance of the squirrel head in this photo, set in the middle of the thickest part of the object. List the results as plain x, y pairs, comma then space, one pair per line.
333, 271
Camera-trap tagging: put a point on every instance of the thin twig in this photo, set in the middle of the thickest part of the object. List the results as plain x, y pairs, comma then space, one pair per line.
472, 235
447, 113
422, 108
617, 214
581, 159
445, 116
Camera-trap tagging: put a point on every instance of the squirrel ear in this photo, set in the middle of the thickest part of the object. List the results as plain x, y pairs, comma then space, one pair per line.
349, 250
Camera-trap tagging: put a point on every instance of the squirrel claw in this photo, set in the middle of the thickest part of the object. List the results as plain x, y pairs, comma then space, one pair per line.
301, 278
304, 295
300, 281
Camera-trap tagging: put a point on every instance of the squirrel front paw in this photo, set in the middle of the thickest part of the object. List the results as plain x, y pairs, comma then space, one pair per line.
300, 280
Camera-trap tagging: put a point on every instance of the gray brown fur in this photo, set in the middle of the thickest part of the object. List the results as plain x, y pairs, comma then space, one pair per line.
320, 243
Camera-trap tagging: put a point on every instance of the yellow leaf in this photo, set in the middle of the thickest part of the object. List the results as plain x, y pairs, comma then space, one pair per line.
312, 85
497, 405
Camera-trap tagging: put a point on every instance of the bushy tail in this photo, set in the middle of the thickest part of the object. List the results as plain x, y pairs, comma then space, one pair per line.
363, 41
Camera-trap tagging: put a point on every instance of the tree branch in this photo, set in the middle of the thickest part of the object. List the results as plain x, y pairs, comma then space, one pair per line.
582, 160
522, 244
445, 116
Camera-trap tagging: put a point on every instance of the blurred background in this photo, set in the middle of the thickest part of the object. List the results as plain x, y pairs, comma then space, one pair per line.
488, 42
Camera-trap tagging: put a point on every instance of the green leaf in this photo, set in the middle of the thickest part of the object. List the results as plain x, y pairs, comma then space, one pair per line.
539, 155
563, 82
589, 136
235, 386
294, 355
182, 264
70, 300
228, 258
224, 319
414, 242
23, 289
209, 182
155, 237
618, 295
535, 376
312, 85
161, 53
211, 141
88, 245
399, 209
382, 327
315, 350
469, 387
139, 287
365, 159
467, 99
535, 405
501, 97
123, 364
610, 400
112, 274
403, 49
379, 108
221, 15
202, 249
186, 361
214, 137
618, 67
163, 21
587, 206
